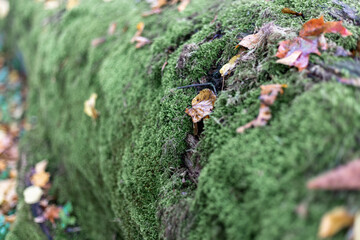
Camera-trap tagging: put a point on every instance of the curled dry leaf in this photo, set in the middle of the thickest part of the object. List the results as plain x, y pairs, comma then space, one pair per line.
268, 96
300, 47
4, 8
51, 213
89, 106
250, 41
345, 177
202, 105
40, 179
32, 194
10, 218
334, 221
72, 4
292, 12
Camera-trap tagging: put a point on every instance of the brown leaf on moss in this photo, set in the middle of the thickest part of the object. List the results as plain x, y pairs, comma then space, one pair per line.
40, 179
98, 41
51, 213
334, 221
202, 105
250, 41
296, 52
268, 96
300, 47
89, 106
345, 177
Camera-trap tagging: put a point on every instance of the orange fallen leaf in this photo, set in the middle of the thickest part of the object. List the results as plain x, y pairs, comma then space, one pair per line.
350, 81
89, 106
183, 5
292, 12
40, 179
158, 4
334, 221
202, 105
345, 177
318, 26
51, 213
296, 52
268, 96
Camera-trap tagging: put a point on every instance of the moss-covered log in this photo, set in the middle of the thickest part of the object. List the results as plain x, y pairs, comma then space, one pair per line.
134, 172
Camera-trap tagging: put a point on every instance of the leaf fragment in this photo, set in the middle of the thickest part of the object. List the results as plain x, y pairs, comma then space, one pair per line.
250, 41
268, 96
202, 105
345, 177
183, 5
317, 26
112, 28
334, 221
89, 106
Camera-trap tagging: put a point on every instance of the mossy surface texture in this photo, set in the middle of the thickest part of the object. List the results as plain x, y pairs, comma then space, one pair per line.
124, 171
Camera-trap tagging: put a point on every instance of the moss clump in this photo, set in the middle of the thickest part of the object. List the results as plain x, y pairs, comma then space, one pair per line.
124, 172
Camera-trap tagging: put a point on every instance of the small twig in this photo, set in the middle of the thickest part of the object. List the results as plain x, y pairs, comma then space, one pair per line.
199, 85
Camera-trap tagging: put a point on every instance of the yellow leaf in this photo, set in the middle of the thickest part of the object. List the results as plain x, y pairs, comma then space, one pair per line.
334, 221
72, 3
227, 68
40, 179
202, 105
89, 106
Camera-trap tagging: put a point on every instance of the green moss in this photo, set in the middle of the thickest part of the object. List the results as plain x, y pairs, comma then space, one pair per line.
123, 172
